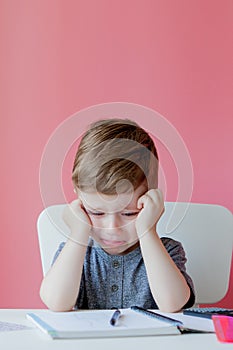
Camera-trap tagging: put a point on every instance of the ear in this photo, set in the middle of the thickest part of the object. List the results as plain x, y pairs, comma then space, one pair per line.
76, 192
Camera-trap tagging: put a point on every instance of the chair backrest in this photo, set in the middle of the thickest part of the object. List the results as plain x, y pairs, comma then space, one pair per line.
205, 231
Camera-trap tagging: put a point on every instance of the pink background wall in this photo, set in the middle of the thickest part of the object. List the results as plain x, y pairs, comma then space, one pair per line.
58, 57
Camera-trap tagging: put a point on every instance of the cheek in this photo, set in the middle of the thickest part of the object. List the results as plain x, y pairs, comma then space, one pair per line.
97, 223
96, 232
95, 220
129, 222
129, 226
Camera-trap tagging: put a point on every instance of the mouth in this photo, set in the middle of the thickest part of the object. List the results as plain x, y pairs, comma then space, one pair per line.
112, 243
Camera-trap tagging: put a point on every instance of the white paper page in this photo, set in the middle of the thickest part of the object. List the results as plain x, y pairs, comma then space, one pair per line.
98, 320
193, 322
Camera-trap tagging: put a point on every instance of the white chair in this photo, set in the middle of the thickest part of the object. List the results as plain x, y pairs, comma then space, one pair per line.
205, 231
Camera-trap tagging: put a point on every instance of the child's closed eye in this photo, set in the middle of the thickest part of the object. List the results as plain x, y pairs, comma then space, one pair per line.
133, 213
95, 213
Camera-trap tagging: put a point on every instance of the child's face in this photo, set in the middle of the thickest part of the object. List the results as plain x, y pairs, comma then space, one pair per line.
113, 219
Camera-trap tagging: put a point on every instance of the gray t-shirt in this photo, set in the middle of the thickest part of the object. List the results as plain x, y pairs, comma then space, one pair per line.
120, 281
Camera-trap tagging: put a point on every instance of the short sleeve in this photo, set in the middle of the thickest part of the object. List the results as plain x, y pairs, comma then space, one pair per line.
61, 246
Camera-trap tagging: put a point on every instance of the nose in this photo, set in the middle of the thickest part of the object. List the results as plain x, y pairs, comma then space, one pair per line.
113, 221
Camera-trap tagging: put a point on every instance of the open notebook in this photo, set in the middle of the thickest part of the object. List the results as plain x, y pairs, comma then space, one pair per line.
96, 323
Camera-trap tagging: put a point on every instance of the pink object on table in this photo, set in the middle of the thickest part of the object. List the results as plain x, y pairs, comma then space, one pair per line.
223, 327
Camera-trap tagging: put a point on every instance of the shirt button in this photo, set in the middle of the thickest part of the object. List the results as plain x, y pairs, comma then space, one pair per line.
115, 264
114, 288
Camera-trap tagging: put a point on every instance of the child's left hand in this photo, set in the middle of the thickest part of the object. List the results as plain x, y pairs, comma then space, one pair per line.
152, 207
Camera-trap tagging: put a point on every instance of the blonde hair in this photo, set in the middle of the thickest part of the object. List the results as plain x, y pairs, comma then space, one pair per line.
114, 154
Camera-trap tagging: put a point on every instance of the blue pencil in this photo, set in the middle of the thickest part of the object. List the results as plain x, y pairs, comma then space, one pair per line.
153, 314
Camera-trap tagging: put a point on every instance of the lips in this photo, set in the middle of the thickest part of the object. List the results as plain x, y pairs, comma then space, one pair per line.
112, 243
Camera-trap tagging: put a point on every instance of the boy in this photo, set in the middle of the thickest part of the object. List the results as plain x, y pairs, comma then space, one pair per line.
114, 257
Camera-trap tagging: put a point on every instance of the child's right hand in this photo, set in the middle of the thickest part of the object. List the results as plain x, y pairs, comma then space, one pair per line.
77, 220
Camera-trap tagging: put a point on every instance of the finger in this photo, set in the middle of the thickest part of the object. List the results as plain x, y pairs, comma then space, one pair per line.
143, 200
73, 208
159, 194
140, 202
156, 195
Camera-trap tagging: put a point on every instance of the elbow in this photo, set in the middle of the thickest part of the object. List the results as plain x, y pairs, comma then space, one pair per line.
52, 302
174, 304
55, 305
56, 308
170, 308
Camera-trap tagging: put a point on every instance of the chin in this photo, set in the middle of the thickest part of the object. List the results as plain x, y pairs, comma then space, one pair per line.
114, 251
123, 250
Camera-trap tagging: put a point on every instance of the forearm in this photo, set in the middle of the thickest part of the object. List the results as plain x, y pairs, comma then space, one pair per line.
60, 286
168, 285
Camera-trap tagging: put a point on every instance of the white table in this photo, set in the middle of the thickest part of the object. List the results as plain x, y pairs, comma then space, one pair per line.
34, 339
